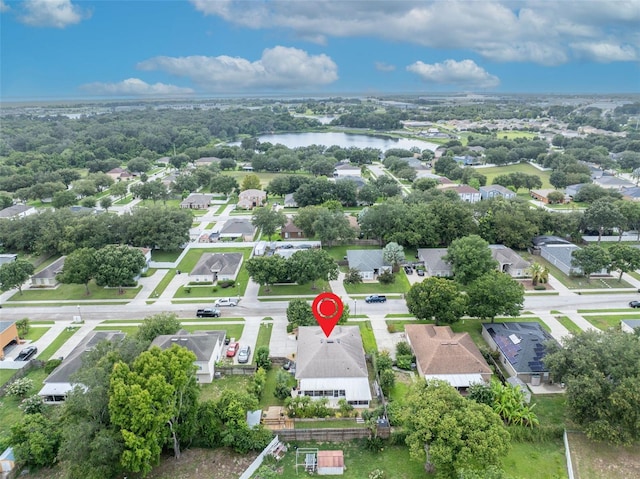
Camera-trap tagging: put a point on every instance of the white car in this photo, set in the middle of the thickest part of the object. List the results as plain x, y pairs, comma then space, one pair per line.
226, 302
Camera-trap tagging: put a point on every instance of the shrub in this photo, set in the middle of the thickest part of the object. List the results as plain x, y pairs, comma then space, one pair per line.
226, 283
392, 328
374, 444
262, 358
352, 277
386, 278
404, 362
32, 405
23, 327
387, 380
377, 474
345, 408
187, 290
214, 289
382, 361
19, 387
51, 365
403, 349
282, 390
256, 387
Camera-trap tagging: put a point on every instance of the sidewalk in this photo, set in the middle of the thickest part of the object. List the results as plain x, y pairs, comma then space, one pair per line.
149, 284
74, 340
558, 331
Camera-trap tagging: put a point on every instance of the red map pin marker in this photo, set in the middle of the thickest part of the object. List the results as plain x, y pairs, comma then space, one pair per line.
327, 309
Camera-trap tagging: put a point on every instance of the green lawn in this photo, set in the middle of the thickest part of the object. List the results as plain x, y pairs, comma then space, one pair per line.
66, 292
264, 335
9, 412
36, 333
295, 289
268, 399
359, 462
56, 344
579, 282
492, 172
540, 460
399, 315
550, 408
400, 285
6, 374
164, 282
606, 321
215, 389
168, 256
570, 325
368, 338
233, 330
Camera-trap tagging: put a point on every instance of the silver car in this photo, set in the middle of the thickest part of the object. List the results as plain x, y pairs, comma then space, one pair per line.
244, 354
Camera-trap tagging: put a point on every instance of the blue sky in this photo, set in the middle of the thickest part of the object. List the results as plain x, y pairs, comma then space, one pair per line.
64, 49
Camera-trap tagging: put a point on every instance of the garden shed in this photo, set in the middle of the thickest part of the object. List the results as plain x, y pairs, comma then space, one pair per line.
330, 463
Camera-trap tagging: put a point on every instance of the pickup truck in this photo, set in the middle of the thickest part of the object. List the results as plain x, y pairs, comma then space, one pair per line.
226, 302
208, 313
376, 298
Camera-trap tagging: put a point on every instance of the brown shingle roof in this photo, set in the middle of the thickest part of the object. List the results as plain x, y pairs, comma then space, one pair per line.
439, 350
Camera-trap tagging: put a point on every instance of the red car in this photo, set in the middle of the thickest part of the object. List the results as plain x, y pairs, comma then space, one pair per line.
232, 349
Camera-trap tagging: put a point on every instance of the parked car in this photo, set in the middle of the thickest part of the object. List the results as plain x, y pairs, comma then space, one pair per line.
208, 313
635, 304
408, 269
232, 349
376, 298
27, 353
420, 272
243, 355
226, 302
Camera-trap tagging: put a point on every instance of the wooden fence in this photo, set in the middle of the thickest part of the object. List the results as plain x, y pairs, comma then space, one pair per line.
237, 370
330, 435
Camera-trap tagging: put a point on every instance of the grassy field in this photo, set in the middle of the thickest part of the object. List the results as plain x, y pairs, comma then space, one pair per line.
400, 285
579, 282
215, 389
492, 172
596, 460
9, 412
5, 375
56, 344
268, 399
540, 460
75, 292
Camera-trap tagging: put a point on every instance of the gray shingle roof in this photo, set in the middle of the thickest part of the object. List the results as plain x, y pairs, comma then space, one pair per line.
341, 355
201, 343
14, 210
433, 261
220, 263
366, 259
73, 361
237, 226
52, 270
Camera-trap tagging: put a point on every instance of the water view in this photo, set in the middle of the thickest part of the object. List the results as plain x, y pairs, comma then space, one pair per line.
345, 140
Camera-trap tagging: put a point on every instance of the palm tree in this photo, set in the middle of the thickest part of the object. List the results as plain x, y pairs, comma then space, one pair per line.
538, 273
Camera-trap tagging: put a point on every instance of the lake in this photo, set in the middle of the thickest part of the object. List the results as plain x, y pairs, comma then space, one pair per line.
344, 140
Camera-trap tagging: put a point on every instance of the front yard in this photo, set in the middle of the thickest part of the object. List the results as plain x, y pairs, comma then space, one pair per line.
74, 292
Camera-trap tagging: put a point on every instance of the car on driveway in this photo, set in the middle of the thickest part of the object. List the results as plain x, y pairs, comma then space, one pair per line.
244, 354
408, 269
420, 272
232, 349
635, 304
225, 302
27, 353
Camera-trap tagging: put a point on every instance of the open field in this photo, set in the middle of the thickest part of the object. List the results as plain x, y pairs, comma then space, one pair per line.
494, 171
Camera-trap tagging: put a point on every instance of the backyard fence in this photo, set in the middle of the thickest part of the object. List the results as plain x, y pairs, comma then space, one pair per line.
253, 467
330, 435
567, 453
236, 370
20, 373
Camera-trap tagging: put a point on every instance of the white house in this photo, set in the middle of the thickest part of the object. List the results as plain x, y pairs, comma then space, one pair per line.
17, 211
206, 345
332, 367
629, 325
48, 275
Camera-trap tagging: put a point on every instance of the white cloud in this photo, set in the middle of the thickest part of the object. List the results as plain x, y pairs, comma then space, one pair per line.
279, 67
464, 73
4, 7
501, 30
135, 87
51, 13
605, 52
384, 67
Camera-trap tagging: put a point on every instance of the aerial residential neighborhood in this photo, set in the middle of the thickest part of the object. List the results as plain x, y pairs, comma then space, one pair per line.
287, 239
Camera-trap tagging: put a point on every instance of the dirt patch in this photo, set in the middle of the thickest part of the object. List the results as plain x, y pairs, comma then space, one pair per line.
528, 285
203, 464
595, 460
